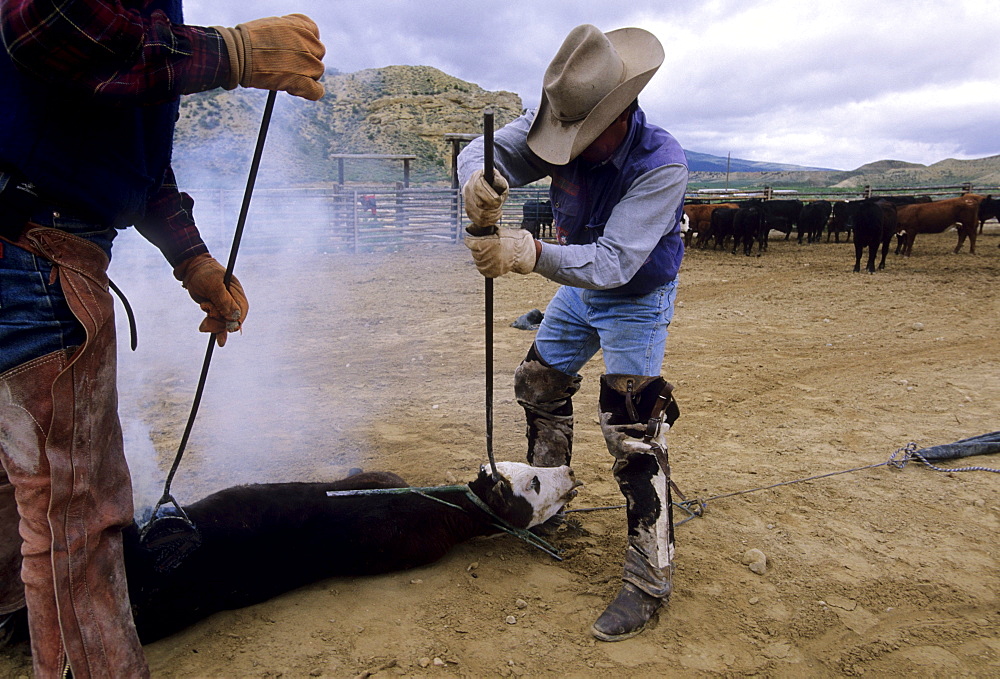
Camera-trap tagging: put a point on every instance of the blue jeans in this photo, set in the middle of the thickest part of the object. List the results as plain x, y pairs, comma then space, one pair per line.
34, 317
631, 331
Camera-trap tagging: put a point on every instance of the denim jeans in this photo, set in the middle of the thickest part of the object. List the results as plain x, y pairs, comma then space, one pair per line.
631, 331
34, 317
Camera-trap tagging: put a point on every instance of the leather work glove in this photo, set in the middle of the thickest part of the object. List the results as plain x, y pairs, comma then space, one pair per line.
276, 53
484, 203
226, 310
506, 250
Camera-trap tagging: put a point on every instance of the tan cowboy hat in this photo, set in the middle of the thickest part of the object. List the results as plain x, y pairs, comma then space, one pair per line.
591, 80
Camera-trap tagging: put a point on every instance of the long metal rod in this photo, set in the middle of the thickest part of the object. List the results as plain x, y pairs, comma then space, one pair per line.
228, 276
488, 174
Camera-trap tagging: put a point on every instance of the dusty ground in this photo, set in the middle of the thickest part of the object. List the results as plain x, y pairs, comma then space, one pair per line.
787, 366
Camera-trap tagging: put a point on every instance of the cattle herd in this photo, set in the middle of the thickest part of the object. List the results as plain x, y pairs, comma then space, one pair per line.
872, 222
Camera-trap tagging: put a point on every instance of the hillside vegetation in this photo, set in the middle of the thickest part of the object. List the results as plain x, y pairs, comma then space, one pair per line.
391, 110
410, 109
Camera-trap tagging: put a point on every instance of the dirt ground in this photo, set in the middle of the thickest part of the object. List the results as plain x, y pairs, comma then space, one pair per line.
787, 366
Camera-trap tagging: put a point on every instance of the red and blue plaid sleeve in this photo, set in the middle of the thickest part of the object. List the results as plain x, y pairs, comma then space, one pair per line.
169, 223
105, 49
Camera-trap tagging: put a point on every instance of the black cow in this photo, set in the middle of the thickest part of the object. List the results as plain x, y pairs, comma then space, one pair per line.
720, 228
842, 220
898, 202
258, 541
536, 214
989, 208
874, 225
781, 215
748, 226
812, 220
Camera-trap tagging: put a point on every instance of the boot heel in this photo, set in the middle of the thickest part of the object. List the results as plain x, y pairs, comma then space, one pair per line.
627, 615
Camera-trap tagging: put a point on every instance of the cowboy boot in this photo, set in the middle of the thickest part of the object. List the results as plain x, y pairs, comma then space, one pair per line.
635, 413
546, 394
62, 449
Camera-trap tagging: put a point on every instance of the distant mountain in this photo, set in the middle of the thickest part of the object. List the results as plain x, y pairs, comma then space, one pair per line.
704, 162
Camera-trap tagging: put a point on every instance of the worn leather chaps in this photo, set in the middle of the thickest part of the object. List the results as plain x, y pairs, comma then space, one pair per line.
546, 395
61, 447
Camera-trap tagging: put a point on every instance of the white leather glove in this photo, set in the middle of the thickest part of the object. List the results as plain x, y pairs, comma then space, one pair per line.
483, 203
504, 251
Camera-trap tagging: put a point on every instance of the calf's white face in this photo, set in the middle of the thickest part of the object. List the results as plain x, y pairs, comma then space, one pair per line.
546, 489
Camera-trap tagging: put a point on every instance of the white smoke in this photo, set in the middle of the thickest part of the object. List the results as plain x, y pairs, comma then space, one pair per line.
258, 420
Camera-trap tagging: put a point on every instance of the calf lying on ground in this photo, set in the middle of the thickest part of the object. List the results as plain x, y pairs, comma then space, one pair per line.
259, 541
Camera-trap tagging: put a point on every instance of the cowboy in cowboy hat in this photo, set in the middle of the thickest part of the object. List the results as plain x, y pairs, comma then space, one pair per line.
617, 191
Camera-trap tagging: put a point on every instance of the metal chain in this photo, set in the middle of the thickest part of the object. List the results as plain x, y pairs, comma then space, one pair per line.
908, 453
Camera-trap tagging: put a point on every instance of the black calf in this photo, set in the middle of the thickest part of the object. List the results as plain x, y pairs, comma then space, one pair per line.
259, 541
812, 220
874, 225
536, 215
748, 226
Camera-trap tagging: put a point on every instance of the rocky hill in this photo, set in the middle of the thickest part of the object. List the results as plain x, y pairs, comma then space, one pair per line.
410, 109
397, 110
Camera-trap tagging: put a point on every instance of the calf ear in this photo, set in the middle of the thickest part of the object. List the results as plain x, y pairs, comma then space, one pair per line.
501, 493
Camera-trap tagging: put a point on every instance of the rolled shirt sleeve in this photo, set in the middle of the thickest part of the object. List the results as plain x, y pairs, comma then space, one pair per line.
169, 223
645, 214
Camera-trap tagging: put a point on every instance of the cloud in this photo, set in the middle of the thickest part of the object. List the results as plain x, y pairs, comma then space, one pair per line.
835, 84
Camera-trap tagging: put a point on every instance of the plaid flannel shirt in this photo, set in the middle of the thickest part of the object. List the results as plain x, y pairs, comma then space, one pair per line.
119, 56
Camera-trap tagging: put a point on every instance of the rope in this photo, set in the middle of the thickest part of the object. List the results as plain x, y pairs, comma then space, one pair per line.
227, 277
497, 521
899, 458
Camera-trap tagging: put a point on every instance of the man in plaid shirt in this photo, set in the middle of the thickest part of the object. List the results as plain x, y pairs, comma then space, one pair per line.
89, 93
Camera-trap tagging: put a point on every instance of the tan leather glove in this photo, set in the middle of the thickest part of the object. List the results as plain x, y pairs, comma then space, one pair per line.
226, 309
506, 250
276, 53
484, 203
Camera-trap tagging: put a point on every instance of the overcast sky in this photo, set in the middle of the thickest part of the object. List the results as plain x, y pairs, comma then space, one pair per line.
830, 84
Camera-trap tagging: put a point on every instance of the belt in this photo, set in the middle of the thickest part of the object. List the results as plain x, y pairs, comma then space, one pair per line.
21, 202
18, 200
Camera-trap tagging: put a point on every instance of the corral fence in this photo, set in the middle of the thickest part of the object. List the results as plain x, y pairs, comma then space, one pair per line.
867, 191
336, 219
366, 219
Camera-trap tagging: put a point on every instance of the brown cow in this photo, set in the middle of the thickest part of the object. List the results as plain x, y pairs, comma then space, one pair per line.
700, 217
937, 216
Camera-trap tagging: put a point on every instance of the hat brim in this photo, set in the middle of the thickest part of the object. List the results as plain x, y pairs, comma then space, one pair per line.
559, 143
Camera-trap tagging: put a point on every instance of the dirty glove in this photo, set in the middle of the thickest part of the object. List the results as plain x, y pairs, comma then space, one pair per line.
227, 309
276, 53
483, 203
506, 250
